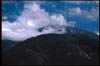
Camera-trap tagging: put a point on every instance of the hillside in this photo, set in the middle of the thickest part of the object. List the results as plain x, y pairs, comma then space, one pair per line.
64, 49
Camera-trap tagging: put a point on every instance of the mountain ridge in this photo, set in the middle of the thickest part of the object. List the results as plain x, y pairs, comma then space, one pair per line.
63, 49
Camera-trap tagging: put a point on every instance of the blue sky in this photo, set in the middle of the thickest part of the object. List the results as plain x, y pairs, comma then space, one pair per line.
82, 23
80, 14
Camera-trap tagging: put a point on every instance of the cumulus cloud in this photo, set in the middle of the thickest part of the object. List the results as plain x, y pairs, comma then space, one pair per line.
92, 14
33, 21
74, 11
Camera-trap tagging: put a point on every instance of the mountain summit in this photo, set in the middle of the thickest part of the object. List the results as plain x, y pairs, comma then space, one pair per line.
54, 49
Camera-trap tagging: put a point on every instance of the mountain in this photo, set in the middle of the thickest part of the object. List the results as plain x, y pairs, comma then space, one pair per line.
54, 49
74, 30
7, 44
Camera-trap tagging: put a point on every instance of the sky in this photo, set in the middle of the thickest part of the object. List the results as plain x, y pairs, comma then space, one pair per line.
24, 19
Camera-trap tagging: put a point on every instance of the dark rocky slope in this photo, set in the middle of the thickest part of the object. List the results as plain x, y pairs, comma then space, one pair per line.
52, 49
7, 44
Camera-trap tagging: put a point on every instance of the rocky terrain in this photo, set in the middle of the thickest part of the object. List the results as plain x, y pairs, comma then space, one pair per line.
54, 49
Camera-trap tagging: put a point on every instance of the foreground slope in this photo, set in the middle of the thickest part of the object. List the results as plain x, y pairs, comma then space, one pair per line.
73, 49
7, 44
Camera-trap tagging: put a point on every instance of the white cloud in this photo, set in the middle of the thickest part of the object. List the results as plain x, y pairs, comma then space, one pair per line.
97, 2
81, 2
31, 20
74, 2
74, 11
92, 14
5, 17
97, 32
